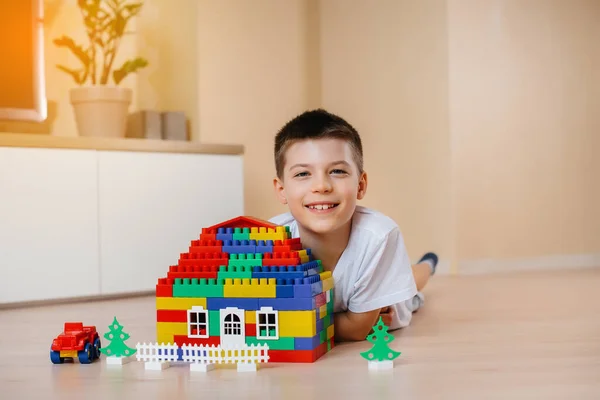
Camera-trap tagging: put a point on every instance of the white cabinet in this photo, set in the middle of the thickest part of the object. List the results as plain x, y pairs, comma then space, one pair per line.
153, 205
48, 224
90, 222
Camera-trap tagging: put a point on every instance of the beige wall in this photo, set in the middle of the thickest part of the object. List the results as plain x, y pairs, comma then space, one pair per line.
167, 36
524, 101
385, 70
253, 76
479, 119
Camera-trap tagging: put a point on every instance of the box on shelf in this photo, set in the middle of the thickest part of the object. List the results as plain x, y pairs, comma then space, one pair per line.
174, 125
144, 124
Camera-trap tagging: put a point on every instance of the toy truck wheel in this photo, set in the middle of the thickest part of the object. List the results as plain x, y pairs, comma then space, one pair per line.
85, 355
97, 346
56, 358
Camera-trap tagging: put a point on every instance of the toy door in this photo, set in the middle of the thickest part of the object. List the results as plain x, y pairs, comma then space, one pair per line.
232, 327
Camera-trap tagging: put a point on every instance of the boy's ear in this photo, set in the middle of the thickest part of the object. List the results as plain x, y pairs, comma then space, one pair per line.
279, 191
362, 186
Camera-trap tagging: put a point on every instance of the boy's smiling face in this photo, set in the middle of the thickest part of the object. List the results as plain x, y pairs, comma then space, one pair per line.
321, 184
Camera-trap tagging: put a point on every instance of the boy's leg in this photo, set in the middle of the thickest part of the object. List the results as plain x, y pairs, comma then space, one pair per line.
424, 269
421, 272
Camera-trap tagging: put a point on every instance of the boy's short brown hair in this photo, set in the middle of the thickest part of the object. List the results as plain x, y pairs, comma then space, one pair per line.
316, 124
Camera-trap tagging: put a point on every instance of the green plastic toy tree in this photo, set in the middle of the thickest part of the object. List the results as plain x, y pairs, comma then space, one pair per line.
117, 337
380, 339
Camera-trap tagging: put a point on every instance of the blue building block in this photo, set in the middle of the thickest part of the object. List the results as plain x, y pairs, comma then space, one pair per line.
283, 275
308, 287
217, 303
307, 343
283, 304
284, 288
263, 246
280, 272
320, 323
239, 246
224, 236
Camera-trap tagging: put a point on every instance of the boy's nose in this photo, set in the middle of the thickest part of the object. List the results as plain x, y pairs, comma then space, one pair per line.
322, 185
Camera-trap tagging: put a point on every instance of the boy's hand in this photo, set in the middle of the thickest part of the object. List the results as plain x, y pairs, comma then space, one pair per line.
386, 314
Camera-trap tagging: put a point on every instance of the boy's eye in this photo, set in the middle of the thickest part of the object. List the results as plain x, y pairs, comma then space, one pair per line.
338, 171
300, 174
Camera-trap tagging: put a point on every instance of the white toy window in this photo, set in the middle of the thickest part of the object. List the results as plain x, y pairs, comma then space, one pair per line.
267, 323
232, 325
198, 322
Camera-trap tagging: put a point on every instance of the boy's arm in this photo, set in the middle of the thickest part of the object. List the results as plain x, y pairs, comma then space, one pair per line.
351, 326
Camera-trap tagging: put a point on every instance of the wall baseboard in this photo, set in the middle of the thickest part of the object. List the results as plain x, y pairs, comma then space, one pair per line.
554, 262
75, 299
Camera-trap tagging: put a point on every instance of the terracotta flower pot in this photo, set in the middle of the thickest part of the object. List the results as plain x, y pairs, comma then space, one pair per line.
101, 111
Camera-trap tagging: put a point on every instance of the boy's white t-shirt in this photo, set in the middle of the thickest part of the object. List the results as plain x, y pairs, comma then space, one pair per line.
374, 270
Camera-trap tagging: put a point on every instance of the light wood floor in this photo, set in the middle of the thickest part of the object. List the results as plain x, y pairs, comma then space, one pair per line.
518, 336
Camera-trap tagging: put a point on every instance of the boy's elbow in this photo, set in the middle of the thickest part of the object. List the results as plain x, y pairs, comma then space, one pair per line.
351, 336
359, 332
354, 326
361, 335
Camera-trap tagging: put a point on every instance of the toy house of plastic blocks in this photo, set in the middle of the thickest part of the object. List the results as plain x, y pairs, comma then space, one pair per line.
245, 281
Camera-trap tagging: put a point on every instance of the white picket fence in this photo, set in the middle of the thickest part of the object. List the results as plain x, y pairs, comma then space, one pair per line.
157, 352
251, 354
202, 357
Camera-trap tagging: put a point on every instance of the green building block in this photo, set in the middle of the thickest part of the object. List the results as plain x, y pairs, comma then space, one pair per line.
286, 343
320, 267
241, 234
214, 322
327, 321
234, 272
323, 336
186, 287
330, 305
245, 260
329, 345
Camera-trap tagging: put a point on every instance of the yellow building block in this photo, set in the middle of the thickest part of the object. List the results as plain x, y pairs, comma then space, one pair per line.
325, 275
254, 287
327, 284
323, 311
250, 317
262, 233
297, 323
179, 303
330, 331
302, 253
166, 331
304, 257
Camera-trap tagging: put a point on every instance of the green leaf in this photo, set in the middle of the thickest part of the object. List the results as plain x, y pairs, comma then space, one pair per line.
69, 43
129, 67
133, 9
76, 74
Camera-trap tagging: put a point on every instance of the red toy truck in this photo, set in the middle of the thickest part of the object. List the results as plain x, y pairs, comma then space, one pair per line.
77, 341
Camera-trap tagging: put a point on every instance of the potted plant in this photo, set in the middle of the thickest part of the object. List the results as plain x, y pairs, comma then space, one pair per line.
101, 107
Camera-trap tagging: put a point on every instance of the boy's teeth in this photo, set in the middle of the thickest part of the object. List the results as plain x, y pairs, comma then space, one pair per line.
322, 206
